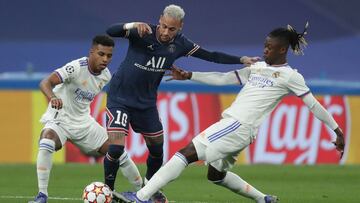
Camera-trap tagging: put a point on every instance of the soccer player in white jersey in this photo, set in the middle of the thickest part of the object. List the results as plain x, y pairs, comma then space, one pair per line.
71, 89
265, 84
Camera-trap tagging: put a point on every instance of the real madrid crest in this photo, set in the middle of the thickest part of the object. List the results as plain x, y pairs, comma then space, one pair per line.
100, 85
276, 74
172, 48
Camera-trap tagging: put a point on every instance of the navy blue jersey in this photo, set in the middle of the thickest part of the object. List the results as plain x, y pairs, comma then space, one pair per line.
136, 82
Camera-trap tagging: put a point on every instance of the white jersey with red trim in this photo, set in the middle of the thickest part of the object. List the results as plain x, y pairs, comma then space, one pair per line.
78, 88
264, 87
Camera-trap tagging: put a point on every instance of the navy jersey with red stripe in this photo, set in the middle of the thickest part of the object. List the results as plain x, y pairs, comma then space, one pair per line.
136, 82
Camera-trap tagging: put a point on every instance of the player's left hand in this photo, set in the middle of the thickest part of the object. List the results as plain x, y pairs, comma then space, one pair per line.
247, 61
339, 142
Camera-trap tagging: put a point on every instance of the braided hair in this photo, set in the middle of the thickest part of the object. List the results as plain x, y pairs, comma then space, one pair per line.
291, 38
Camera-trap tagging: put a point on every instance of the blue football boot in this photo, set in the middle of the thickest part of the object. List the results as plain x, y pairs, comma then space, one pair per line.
40, 198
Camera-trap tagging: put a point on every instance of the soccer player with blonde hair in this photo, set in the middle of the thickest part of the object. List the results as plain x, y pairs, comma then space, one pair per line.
132, 94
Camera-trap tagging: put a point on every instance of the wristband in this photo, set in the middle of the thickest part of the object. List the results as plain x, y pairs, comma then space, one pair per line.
128, 26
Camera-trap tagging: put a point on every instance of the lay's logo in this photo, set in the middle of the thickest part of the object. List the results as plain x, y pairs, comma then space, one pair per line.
293, 135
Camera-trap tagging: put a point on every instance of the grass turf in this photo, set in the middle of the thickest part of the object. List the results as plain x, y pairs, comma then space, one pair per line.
293, 184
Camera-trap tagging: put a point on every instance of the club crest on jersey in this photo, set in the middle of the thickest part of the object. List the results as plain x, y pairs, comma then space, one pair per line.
172, 48
101, 84
276, 74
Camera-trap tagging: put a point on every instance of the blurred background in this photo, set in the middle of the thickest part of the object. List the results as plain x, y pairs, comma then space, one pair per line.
42, 35
37, 37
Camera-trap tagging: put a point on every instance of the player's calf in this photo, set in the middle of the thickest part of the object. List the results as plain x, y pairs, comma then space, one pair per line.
130, 171
111, 164
154, 160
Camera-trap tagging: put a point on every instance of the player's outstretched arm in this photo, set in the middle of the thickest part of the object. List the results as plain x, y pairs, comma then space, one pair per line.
116, 30
119, 29
210, 78
47, 85
219, 57
322, 114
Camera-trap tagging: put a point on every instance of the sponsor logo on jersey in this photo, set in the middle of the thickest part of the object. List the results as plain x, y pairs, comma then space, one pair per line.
260, 81
155, 64
83, 95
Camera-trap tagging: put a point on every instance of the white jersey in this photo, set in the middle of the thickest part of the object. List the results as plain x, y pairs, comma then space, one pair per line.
264, 87
77, 91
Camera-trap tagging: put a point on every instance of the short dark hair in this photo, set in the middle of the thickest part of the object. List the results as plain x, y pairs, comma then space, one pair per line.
289, 36
103, 40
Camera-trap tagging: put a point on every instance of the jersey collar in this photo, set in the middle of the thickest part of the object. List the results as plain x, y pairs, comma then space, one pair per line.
278, 65
91, 72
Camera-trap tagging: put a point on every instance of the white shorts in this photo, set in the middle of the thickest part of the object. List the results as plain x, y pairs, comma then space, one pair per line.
89, 137
220, 144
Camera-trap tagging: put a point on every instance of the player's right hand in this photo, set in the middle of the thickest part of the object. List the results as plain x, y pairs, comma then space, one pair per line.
339, 142
143, 29
248, 61
177, 73
56, 103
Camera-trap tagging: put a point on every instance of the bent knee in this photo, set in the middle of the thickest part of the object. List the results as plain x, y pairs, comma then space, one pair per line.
114, 152
214, 175
190, 153
50, 134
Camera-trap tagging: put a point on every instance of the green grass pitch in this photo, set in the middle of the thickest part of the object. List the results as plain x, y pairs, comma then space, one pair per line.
293, 184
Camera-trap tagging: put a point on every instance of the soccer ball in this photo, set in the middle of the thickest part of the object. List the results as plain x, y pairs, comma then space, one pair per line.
97, 192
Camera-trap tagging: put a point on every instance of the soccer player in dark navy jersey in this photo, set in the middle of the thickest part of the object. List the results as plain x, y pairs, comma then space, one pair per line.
133, 89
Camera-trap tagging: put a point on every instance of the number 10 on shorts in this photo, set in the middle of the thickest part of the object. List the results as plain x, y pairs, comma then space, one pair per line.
121, 118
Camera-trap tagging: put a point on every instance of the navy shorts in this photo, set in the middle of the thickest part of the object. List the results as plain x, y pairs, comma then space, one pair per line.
144, 121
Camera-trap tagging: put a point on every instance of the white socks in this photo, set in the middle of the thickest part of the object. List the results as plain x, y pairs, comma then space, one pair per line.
174, 167
234, 183
170, 171
44, 163
130, 171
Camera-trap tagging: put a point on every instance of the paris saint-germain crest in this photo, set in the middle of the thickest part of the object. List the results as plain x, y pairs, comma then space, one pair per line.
172, 48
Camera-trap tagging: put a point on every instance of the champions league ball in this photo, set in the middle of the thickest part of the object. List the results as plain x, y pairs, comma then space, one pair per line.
97, 192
